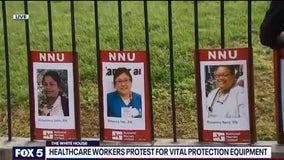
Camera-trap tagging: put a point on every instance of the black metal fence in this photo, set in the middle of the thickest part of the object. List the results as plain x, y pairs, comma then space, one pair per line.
95, 39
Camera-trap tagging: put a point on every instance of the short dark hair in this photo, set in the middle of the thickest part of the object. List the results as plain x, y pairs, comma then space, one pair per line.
119, 71
54, 75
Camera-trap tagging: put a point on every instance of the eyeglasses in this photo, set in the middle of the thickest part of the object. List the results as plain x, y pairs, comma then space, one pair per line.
122, 81
222, 75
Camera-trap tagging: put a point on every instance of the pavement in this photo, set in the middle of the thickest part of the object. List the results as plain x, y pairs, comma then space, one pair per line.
7, 146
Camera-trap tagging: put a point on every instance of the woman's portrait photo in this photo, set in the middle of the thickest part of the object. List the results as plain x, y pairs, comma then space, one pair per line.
123, 102
225, 93
52, 92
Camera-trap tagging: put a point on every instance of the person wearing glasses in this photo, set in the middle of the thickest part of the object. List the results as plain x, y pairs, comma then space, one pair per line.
227, 100
123, 102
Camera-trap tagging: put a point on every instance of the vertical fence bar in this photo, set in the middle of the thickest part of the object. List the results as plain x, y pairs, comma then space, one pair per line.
120, 26
172, 70
197, 68
251, 73
148, 61
249, 25
196, 34
73, 33
8, 88
50, 29
97, 26
98, 62
222, 28
27, 28
76, 75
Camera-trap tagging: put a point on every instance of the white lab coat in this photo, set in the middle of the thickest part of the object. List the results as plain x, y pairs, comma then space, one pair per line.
231, 105
56, 110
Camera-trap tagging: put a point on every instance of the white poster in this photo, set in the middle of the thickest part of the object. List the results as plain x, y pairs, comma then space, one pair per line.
54, 95
129, 80
224, 95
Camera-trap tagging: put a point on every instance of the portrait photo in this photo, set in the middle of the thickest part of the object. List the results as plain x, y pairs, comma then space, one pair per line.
124, 99
123, 102
52, 87
225, 95
225, 91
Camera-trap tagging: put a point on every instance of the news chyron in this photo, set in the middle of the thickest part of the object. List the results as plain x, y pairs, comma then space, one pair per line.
29, 153
20, 16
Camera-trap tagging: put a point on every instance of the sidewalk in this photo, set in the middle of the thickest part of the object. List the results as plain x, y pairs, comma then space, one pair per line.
6, 146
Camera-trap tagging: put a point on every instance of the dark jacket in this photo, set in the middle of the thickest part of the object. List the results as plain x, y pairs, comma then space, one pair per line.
272, 25
65, 105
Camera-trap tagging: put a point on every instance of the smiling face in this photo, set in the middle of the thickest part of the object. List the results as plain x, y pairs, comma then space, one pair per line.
50, 87
225, 78
123, 84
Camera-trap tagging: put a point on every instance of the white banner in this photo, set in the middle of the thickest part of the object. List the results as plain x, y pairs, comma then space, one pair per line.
156, 152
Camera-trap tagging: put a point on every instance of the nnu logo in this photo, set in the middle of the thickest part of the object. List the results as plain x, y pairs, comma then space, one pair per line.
116, 135
47, 134
219, 136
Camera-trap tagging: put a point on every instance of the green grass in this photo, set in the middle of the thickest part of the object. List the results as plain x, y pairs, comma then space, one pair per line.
134, 39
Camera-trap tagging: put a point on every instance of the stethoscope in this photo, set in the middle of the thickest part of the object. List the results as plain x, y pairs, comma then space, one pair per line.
210, 108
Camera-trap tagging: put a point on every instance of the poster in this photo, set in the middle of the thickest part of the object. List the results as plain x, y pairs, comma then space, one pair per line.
278, 60
125, 96
53, 99
223, 100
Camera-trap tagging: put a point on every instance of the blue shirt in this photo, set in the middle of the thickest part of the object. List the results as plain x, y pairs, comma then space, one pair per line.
115, 103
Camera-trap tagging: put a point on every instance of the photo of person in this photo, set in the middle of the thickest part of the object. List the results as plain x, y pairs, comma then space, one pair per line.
123, 102
225, 95
53, 99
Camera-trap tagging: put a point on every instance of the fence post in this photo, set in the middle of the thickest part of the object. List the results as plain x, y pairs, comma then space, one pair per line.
8, 88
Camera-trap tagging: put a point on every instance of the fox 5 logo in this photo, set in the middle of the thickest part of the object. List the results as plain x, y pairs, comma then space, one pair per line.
28, 152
